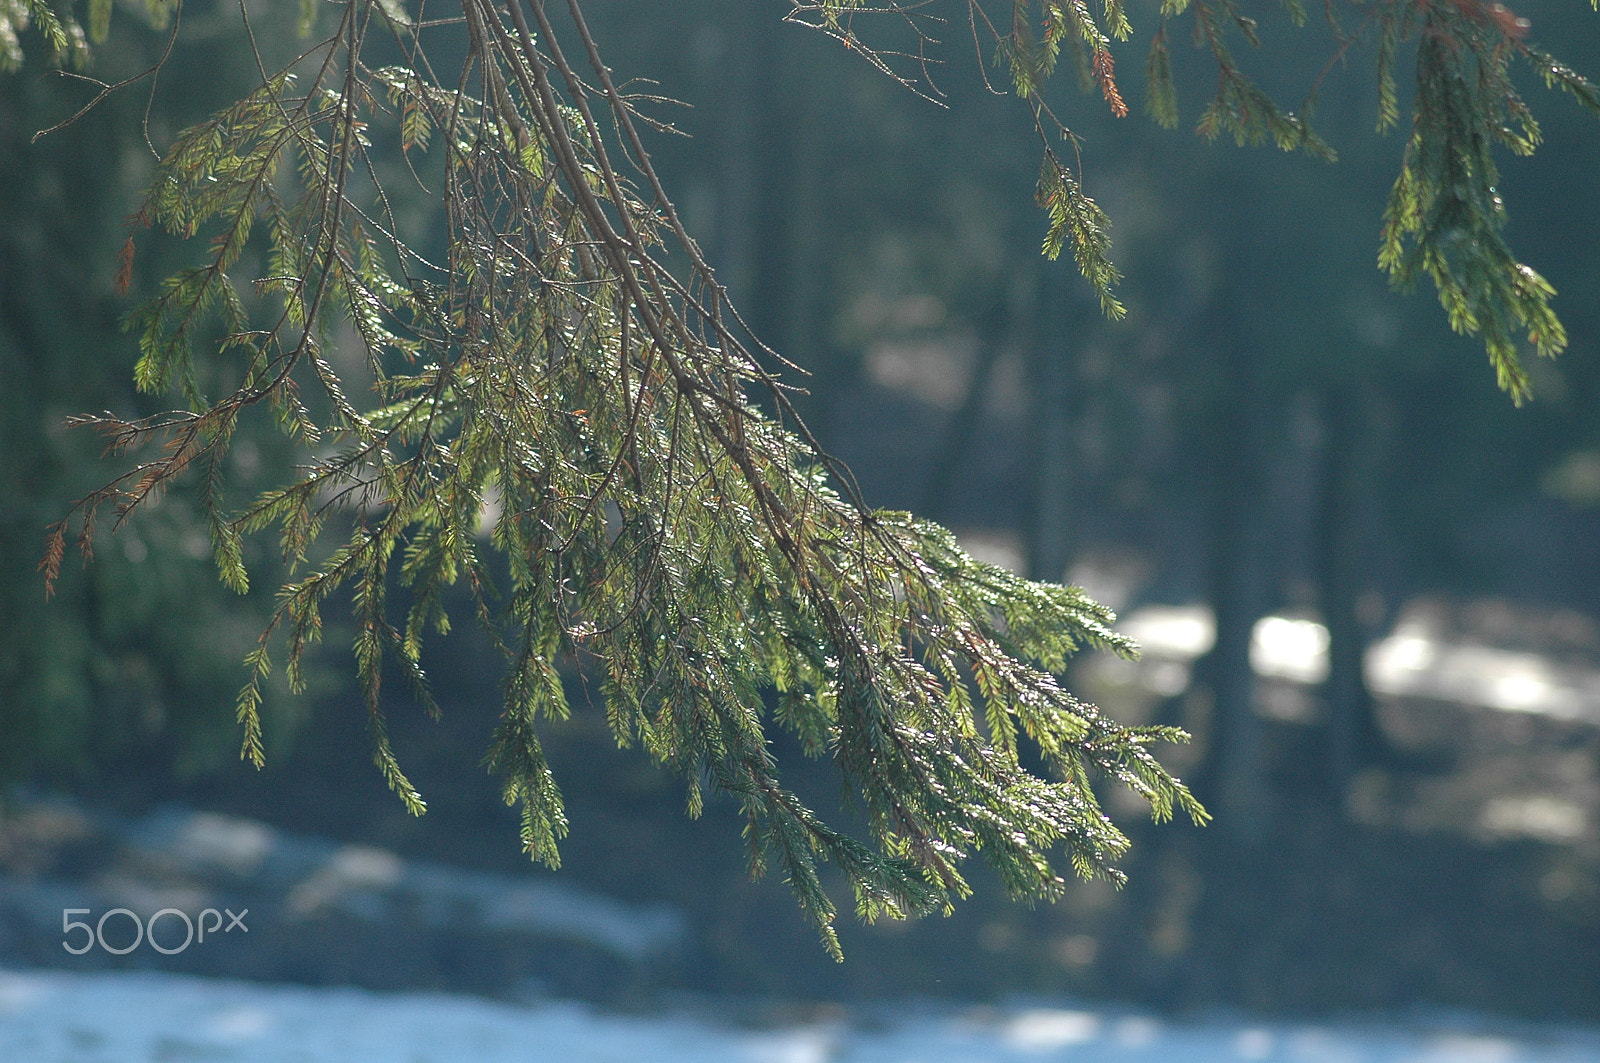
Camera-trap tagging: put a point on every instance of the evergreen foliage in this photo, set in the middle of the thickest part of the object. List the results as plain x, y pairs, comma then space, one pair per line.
567, 364
654, 523
118, 679
1445, 215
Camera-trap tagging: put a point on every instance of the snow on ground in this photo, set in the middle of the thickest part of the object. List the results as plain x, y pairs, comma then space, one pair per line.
145, 1017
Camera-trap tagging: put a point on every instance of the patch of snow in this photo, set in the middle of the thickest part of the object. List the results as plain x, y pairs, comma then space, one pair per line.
65, 1017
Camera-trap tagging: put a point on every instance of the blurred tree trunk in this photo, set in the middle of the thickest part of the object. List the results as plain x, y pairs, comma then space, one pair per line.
1352, 450
740, 171
997, 328
1232, 777
1057, 405
796, 204
773, 223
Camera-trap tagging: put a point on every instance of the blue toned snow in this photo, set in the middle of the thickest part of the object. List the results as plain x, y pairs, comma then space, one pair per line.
56, 1017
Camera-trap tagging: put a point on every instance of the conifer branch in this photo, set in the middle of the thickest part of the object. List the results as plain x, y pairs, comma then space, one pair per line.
703, 555
1445, 217
715, 567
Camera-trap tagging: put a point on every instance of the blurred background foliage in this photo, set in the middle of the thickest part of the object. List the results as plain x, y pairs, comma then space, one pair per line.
1271, 431
122, 674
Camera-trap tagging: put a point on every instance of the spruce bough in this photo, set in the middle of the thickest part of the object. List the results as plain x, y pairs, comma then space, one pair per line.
568, 363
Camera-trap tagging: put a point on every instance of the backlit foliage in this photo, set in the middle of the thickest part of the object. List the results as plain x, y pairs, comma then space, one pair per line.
562, 370
1445, 215
565, 374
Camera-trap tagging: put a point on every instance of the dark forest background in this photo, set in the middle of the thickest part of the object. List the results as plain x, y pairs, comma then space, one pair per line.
1270, 431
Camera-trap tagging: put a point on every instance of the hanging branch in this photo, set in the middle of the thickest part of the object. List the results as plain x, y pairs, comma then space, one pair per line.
715, 568
703, 556
1445, 215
